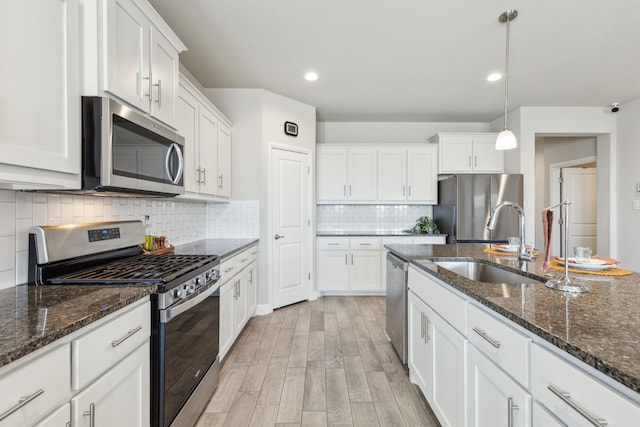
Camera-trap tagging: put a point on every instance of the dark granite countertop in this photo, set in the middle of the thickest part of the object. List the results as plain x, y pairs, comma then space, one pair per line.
374, 233
64, 309
222, 247
599, 327
33, 316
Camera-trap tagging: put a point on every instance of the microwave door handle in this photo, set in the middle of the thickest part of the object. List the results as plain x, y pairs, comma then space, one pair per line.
167, 163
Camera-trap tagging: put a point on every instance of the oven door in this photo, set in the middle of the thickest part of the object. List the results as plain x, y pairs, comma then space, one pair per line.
188, 338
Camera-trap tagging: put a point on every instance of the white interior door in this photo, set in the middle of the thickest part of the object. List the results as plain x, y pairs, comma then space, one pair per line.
291, 224
580, 187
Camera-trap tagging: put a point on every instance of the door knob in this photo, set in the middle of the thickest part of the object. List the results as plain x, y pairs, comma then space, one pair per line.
277, 236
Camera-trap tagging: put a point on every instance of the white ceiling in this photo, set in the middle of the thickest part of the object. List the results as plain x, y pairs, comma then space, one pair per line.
414, 60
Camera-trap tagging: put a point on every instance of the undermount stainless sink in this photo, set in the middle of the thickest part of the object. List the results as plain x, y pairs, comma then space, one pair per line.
482, 272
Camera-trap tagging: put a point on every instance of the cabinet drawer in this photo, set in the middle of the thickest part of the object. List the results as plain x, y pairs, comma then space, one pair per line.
331, 243
103, 347
243, 259
228, 268
505, 346
364, 243
581, 395
444, 302
46, 381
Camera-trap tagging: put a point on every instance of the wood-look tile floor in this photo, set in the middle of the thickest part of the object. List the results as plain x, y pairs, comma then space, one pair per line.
319, 363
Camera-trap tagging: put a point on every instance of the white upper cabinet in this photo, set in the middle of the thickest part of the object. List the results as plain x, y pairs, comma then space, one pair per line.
469, 153
207, 152
134, 56
371, 174
408, 175
346, 174
40, 87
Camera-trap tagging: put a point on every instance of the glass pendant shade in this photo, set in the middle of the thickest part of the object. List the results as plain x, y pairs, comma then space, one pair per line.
506, 140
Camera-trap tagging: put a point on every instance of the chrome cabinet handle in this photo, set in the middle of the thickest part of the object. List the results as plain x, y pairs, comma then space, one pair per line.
346, 260
349, 190
426, 329
228, 269
421, 325
510, 408
469, 161
251, 276
198, 178
484, 335
149, 87
365, 244
277, 236
333, 244
344, 190
566, 398
220, 180
91, 413
204, 173
159, 86
409, 195
119, 341
475, 159
351, 259
21, 402
403, 190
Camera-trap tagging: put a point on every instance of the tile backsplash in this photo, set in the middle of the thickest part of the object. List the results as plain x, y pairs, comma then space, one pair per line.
369, 217
180, 220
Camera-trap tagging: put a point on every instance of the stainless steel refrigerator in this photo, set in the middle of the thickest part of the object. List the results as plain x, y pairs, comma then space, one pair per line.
466, 201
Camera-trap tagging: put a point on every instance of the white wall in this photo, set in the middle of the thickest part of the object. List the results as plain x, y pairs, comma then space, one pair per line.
628, 174
258, 118
389, 132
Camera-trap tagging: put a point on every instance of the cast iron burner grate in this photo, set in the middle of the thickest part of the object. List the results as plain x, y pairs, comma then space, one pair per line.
138, 269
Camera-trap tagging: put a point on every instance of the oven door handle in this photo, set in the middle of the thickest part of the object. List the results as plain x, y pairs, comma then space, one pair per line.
168, 314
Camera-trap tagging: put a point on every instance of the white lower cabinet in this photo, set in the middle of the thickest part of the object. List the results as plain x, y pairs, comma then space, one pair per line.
36, 388
349, 265
96, 376
60, 417
575, 397
437, 358
118, 398
542, 417
493, 398
238, 295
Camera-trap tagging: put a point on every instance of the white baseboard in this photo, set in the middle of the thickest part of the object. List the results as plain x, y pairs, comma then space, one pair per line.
263, 309
313, 296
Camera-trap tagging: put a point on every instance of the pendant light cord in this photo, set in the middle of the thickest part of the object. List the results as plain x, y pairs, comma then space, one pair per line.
506, 73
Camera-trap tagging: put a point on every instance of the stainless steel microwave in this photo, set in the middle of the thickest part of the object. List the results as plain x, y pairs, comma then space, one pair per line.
124, 151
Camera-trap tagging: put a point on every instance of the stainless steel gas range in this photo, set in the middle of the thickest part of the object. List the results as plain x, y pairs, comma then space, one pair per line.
185, 310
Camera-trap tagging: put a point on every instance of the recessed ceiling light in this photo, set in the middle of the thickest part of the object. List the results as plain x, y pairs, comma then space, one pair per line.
494, 77
311, 76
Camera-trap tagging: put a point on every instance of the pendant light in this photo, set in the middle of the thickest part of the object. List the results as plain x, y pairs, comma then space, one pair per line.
506, 139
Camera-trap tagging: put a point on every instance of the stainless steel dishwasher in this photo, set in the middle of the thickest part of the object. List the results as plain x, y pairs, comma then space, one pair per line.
397, 269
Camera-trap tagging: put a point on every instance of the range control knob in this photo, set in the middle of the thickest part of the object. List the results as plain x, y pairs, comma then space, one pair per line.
181, 293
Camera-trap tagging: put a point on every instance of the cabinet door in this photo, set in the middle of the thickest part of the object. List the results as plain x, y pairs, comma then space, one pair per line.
224, 161
240, 302
226, 316
60, 417
333, 271
208, 154
40, 87
164, 72
252, 288
392, 175
187, 125
364, 270
332, 174
419, 359
126, 73
485, 156
492, 396
456, 153
362, 175
120, 397
542, 417
448, 370
422, 175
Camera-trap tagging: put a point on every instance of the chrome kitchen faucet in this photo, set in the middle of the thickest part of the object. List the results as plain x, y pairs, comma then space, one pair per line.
523, 253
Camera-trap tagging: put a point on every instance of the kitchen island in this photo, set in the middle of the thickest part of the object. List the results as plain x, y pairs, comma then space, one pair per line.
599, 327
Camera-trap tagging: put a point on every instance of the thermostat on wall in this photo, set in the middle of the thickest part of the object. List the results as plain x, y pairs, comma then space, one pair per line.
291, 128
